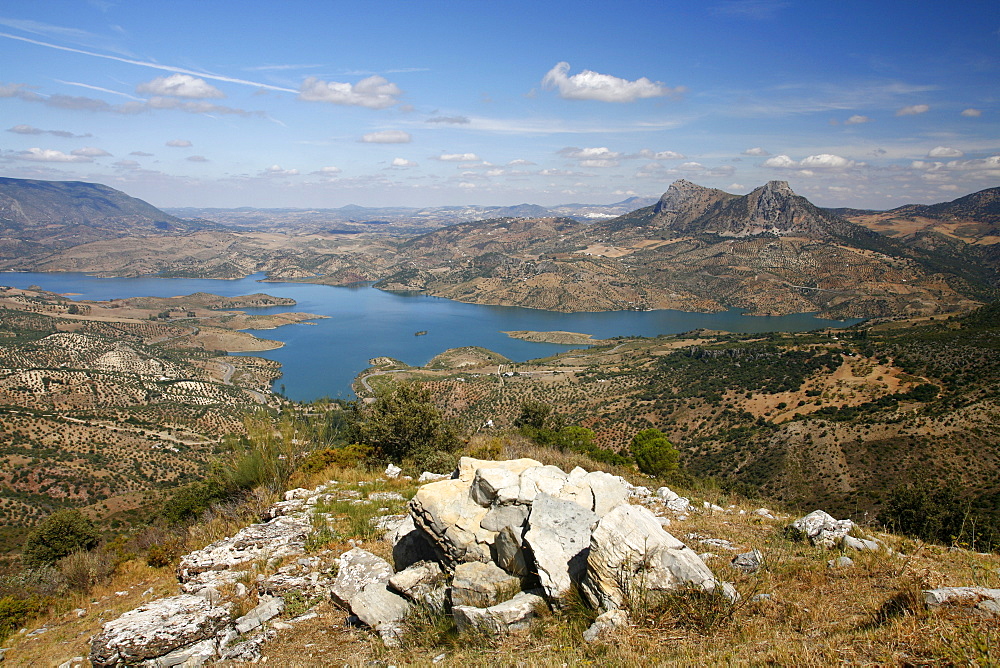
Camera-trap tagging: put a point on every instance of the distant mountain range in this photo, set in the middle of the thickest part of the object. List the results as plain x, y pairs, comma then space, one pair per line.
695, 249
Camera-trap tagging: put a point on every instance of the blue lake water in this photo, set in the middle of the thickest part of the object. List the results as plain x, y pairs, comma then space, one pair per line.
322, 359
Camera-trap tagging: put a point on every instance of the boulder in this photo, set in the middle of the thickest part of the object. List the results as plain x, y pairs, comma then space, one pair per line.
488, 482
512, 615
607, 491
859, 544
605, 624
423, 583
510, 554
410, 544
982, 600
820, 529
481, 585
467, 466
632, 557
748, 562
452, 519
266, 610
158, 628
559, 537
376, 605
499, 517
356, 570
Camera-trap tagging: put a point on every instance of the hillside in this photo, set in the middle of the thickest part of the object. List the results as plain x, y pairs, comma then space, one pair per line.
826, 419
697, 249
102, 403
44, 216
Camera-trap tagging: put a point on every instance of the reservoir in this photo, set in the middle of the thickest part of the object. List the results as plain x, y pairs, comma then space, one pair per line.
322, 359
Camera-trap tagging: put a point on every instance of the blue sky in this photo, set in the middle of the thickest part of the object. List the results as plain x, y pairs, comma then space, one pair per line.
322, 104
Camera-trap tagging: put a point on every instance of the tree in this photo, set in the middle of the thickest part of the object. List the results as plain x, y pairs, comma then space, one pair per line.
654, 453
534, 415
402, 423
58, 535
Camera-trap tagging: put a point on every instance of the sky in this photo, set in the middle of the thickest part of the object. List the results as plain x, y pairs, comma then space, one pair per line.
310, 104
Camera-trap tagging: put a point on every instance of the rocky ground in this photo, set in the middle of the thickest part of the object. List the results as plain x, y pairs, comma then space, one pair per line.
508, 557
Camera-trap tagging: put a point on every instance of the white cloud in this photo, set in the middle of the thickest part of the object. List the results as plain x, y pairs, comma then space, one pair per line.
599, 163
589, 85
196, 158
692, 167
49, 155
990, 164
91, 152
403, 162
374, 92
913, 110
596, 152
141, 154
31, 130
180, 85
822, 161
972, 113
757, 151
457, 157
826, 161
857, 119
387, 137
179, 143
780, 161
660, 155
328, 171
466, 185
277, 170
520, 162
944, 152
127, 164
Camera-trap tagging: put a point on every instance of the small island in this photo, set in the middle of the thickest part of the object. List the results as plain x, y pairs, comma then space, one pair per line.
563, 338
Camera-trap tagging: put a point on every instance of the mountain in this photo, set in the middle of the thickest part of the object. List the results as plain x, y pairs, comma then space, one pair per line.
697, 249
42, 216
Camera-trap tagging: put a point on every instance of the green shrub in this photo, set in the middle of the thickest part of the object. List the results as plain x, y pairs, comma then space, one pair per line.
14, 612
82, 570
401, 423
58, 535
346, 456
654, 453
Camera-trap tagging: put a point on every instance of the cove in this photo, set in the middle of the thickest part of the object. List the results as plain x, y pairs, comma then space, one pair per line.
322, 359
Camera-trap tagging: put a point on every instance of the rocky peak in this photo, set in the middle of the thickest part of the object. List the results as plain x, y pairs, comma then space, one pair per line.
679, 193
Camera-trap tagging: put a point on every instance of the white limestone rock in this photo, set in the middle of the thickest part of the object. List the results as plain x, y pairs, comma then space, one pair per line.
497, 620
632, 557
559, 537
820, 529
158, 628
356, 570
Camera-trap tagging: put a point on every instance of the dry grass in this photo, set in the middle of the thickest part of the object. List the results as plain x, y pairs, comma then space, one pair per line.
795, 610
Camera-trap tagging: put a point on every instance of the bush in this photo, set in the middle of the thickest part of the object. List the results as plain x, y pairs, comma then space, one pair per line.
14, 612
346, 456
57, 536
82, 570
654, 453
401, 423
190, 501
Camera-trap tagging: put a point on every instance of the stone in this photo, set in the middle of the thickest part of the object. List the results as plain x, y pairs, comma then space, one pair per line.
840, 562
748, 562
548, 479
481, 585
467, 466
970, 596
410, 544
356, 570
679, 505
156, 629
666, 494
488, 481
607, 491
423, 583
859, 544
376, 605
283, 536
75, 662
510, 555
499, 517
452, 520
820, 529
605, 624
265, 611
427, 476
559, 537
631, 557
515, 614
392, 471
764, 512
197, 654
